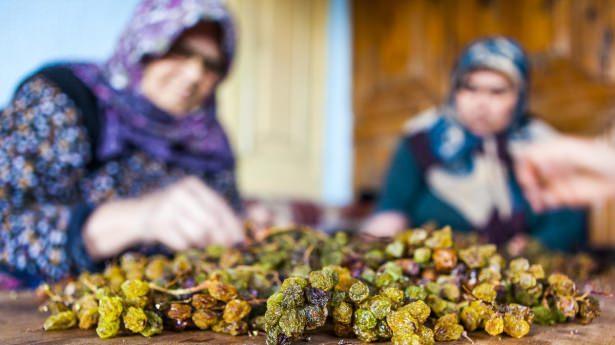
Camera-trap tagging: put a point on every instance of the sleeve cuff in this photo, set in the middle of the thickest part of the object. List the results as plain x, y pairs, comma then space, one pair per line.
76, 252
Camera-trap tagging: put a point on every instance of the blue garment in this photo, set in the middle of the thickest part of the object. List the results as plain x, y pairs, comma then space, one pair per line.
406, 191
49, 184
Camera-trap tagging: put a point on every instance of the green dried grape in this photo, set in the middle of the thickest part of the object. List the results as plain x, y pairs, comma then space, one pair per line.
135, 319
529, 296
395, 249
62, 320
134, 288
154, 324
233, 328
102, 292
494, 325
519, 265
537, 271
426, 335
561, 284
422, 255
544, 315
589, 309
236, 310
519, 311
489, 274
451, 292
133, 265
114, 276
406, 339
419, 310
374, 257
156, 268
110, 307
567, 305
394, 294
439, 306
515, 327
415, 292
447, 328
257, 323
55, 307
477, 256
292, 282
365, 335
402, 321
274, 336
417, 237
139, 302
358, 292
107, 327
470, 318
440, 239
384, 279
181, 265
380, 306
204, 319
274, 310
86, 309
292, 323
315, 316
342, 313
364, 319
485, 292
292, 296
323, 280
526, 280
383, 330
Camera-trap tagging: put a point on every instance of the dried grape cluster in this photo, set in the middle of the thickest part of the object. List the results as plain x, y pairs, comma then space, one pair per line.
417, 288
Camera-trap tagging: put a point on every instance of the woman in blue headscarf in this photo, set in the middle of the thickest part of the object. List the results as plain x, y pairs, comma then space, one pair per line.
455, 164
96, 159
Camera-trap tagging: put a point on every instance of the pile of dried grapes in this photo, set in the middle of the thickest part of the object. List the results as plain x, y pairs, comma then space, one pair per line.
417, 288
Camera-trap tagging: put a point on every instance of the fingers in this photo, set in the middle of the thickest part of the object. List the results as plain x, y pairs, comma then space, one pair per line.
385, 224
528, 179
195, 233
175, 241
229, 229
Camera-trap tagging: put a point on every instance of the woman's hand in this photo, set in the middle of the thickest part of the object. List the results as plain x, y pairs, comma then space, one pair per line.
566, 172
385, 224
516, 245
183, 215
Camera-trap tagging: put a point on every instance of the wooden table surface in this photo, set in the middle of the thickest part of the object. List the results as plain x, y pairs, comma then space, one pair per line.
21, 323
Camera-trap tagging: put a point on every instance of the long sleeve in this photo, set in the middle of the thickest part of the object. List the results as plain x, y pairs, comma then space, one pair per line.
402, 182
43, 153
564, 229
225, 183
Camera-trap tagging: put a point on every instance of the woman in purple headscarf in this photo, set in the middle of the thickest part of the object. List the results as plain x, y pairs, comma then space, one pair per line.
99, 159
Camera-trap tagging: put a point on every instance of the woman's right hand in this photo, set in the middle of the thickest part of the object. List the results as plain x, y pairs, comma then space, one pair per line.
182, 215
385, 224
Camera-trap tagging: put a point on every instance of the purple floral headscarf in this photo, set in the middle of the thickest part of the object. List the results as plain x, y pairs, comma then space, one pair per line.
196, 141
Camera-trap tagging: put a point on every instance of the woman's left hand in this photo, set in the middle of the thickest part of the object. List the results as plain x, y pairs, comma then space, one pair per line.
566, 171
